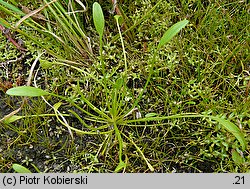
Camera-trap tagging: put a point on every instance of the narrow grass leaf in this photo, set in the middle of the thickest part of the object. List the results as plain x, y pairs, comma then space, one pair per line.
4, 23
98, 18
20, 169
36, 168
137, 23
151, 168
171, 32
15, 117
11, 7
26, 91
120, 141
33, 13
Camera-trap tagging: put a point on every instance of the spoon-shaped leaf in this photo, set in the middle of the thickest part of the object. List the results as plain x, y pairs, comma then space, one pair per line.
13, 119
26, 91
20, 169
171, 32
98, 18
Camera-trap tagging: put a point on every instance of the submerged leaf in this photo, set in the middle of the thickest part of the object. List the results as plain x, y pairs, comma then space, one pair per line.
171, 32
26, 91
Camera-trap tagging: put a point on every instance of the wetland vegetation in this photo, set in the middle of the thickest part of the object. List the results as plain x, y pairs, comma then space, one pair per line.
124, 86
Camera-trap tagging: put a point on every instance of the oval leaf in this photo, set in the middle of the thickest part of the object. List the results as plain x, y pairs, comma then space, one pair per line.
119, 83
98, 18
13, 119
171, 32
26, 91
151, 115
20, 169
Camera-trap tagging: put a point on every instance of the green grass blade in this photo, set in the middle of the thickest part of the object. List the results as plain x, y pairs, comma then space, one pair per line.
36, 168
88, 126
171, 32
123, 47
70, 30
15, 117
4, 23
26, 91
12, 7
121, 164
137, 23
139, 150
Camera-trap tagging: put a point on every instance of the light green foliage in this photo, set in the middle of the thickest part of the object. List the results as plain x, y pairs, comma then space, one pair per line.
98, 19
71, 37
171, 32
232, 128
118, 96
151, 114
11, 7
120, 166
26, 91
237, 158
20, 169
117, 92
181, 112
45, 64
13, 119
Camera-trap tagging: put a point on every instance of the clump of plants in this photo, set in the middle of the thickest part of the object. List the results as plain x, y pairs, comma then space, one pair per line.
113, 117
